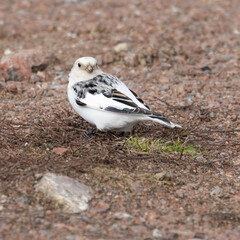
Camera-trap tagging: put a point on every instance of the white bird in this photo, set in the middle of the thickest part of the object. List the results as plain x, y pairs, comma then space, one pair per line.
105, 101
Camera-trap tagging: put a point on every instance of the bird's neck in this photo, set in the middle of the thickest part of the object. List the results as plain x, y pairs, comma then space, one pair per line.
81, 76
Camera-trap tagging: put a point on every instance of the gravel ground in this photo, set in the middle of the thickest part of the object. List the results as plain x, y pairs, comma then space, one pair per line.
182, 58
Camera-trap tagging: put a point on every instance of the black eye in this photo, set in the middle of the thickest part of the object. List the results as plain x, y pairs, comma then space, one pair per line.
79, 65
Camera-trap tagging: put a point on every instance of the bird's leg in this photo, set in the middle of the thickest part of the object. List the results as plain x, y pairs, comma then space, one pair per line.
121, 134
90, 132
116, 134
131, 132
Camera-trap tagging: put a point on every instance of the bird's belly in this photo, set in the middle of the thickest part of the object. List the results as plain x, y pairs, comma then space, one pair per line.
103, 120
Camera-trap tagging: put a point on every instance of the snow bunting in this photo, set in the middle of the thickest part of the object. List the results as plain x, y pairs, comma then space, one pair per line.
105, 101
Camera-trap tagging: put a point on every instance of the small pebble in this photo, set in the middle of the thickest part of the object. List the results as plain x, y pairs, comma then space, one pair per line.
157, 233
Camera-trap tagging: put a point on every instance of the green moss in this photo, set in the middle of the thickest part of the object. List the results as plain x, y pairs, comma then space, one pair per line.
150, 145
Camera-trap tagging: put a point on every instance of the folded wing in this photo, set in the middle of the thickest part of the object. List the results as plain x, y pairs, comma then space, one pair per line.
114, 97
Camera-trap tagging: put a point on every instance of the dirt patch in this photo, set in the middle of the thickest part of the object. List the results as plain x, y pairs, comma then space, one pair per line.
182, 58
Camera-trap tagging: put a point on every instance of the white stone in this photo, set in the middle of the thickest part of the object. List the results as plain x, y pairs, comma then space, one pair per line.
157, 233
7, 51
121, 215
217, 191
121, 47
68, 192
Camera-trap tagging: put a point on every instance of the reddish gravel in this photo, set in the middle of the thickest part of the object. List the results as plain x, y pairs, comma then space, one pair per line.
182, 58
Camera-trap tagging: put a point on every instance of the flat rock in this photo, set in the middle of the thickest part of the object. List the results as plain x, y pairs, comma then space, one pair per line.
68, 192
19, 66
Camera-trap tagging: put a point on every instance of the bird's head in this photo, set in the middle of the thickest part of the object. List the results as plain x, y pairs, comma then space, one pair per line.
84, 68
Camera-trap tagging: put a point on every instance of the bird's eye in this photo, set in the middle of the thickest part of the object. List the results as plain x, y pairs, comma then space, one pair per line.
79, 65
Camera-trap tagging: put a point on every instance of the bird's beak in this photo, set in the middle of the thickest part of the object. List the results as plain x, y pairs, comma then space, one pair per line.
89, 68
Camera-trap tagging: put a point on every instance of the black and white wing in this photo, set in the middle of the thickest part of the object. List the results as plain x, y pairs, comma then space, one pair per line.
107, 93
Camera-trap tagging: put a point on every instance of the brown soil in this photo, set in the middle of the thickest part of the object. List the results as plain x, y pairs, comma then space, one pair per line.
183, 60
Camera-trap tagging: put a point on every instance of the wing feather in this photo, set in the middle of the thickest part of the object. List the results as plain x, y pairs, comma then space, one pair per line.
103, 94
139, 99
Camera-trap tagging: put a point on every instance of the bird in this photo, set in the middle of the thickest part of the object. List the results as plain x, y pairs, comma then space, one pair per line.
105, 101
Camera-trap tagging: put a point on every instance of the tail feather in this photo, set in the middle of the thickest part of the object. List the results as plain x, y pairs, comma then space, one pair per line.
157, 117
162, 120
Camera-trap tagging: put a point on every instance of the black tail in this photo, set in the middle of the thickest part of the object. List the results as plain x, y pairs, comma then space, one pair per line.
162, 120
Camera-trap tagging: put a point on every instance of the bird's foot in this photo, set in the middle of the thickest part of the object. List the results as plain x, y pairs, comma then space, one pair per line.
90, 132
121, 134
